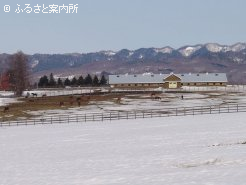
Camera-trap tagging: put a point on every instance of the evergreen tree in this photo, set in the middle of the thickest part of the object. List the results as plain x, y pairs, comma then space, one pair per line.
43, 81
103, 80
74, 81
81, 80
95, 81
59, 82
67, 82
52, 81
88, 80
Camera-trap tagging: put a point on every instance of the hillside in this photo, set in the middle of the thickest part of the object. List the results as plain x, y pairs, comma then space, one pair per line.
210, 57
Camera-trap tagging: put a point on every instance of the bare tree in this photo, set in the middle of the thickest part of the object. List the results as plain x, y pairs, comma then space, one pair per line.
18, 71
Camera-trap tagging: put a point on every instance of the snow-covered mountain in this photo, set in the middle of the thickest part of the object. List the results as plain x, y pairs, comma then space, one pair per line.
186, 51
164, 50
215, 48
210, 57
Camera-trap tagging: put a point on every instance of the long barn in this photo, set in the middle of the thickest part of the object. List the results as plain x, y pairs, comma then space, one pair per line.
169, 81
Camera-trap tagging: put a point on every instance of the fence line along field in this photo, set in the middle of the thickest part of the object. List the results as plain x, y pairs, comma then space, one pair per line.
105, 100
80, 118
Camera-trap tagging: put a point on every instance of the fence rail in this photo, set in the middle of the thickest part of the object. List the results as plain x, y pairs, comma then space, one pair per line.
92, 117
107, 89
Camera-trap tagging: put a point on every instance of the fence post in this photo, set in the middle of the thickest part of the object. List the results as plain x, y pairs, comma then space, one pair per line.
118, 115
219, 109
151, 114
51, 120
85, 117
135, 114
143, 114
237, 107
127, 114
210, 110
193, 111
184, 112
176, 111
228, 108
110, 116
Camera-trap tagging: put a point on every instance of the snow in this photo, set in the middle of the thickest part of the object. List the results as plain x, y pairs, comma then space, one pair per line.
238, 60
187, 51
71, 63
58, 92
238, 47
164, 50
131, 53
108, 53
34, 63
144, 102
204, 150
141, 56
7, 101
5, 98
213, 47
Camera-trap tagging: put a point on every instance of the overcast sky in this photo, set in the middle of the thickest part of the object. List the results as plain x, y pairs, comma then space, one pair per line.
117, 24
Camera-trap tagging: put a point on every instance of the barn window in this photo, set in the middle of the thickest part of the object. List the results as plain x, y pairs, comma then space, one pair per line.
129, 84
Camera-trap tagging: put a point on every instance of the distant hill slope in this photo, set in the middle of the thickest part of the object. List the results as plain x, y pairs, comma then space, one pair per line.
210, 57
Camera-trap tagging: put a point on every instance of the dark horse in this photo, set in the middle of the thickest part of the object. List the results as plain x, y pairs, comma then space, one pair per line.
34, 94
157, 98
5, 109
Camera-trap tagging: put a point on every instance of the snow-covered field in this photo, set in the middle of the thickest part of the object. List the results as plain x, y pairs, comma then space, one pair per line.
144, 102
5, 101
204, 150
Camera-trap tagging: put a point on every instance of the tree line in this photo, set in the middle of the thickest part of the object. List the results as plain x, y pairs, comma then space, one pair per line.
50, 81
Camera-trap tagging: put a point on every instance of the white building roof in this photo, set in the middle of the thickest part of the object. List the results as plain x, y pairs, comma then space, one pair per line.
159, 78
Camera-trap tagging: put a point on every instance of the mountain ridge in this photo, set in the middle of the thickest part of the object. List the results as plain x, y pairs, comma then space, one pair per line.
209, 57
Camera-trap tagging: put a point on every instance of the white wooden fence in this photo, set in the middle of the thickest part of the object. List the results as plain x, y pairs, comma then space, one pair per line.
100, 117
